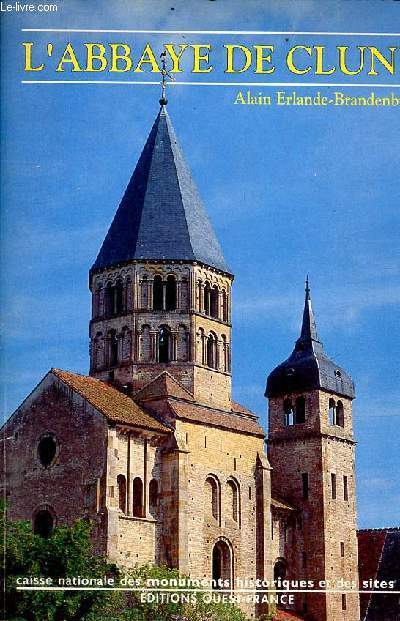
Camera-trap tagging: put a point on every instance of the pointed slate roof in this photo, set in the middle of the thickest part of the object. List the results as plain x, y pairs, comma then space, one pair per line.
308, 367
161, 215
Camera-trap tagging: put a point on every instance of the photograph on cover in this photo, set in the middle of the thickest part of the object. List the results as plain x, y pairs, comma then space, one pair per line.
200, 287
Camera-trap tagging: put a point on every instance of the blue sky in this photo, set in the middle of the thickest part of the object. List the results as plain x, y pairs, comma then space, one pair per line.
290, 191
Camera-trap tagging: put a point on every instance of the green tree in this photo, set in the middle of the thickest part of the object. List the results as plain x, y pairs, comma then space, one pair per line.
137, 610
67, 552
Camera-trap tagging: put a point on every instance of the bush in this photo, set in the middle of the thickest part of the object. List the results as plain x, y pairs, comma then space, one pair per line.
67, 552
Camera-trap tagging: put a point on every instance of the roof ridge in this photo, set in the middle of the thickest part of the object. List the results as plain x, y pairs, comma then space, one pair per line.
123, 410
381, 529
170, 128
157, 378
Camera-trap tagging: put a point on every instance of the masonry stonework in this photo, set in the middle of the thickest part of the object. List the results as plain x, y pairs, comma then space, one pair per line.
152, 448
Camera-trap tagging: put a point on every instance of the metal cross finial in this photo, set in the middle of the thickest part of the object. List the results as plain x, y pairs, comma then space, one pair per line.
164, 74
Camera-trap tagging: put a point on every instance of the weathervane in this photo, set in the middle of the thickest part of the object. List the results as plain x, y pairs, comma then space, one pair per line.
165, 75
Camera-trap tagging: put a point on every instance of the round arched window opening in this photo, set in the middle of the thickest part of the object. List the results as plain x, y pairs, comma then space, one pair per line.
280, 569
47, 450
43, 523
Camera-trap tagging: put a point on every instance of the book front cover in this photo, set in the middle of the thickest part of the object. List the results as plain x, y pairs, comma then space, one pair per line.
200, 286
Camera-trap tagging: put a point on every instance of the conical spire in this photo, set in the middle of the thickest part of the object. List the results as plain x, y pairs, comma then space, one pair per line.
161, 216
308, 367
308, 337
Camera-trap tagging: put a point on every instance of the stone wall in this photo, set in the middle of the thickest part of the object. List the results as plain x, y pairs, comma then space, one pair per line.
137, 329
319, 450
72, 486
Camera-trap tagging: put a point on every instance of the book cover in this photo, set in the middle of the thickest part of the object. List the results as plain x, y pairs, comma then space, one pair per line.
200, 310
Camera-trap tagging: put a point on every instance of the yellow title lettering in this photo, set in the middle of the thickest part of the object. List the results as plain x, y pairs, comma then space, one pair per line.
319, 64
230, 57
343, 60
290, 63
201, 56
261, 59
147, 57
389, 65
28, 58
68, 57
176, 57
117, 57
95, 52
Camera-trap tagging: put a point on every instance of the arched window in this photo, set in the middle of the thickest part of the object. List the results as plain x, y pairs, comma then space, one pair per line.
200, 296
300, 410
144, 293
43, 523
118, 297
280, 569
121, 484
97, 302
224, 306
212, 351
153, 495
332, 412
109, 300
222, 565
340, 414
157, 293
234, 499
201, 353
170, 296
164, 344
288, 412
213, 496
137, 497
113, 348
207, 298
214, 298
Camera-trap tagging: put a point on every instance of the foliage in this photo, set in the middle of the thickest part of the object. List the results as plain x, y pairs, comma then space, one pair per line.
67, 552
138, 610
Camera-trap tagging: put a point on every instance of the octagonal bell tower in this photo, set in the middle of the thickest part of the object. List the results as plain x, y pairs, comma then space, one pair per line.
161, 289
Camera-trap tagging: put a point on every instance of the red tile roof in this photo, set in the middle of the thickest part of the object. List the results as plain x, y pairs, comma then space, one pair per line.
194, 412
379, 559
285, 615
164, 385
181, 404
114, 405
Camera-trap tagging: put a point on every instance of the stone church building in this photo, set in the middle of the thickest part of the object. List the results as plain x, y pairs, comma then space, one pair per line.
150, 445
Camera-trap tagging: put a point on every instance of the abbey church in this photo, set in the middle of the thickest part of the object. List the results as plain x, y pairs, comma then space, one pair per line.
150, 445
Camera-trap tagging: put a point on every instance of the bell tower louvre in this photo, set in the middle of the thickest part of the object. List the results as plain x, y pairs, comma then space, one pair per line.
161, 290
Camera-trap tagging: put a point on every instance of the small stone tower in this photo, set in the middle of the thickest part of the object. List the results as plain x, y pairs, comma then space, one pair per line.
160, 286
311, 451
